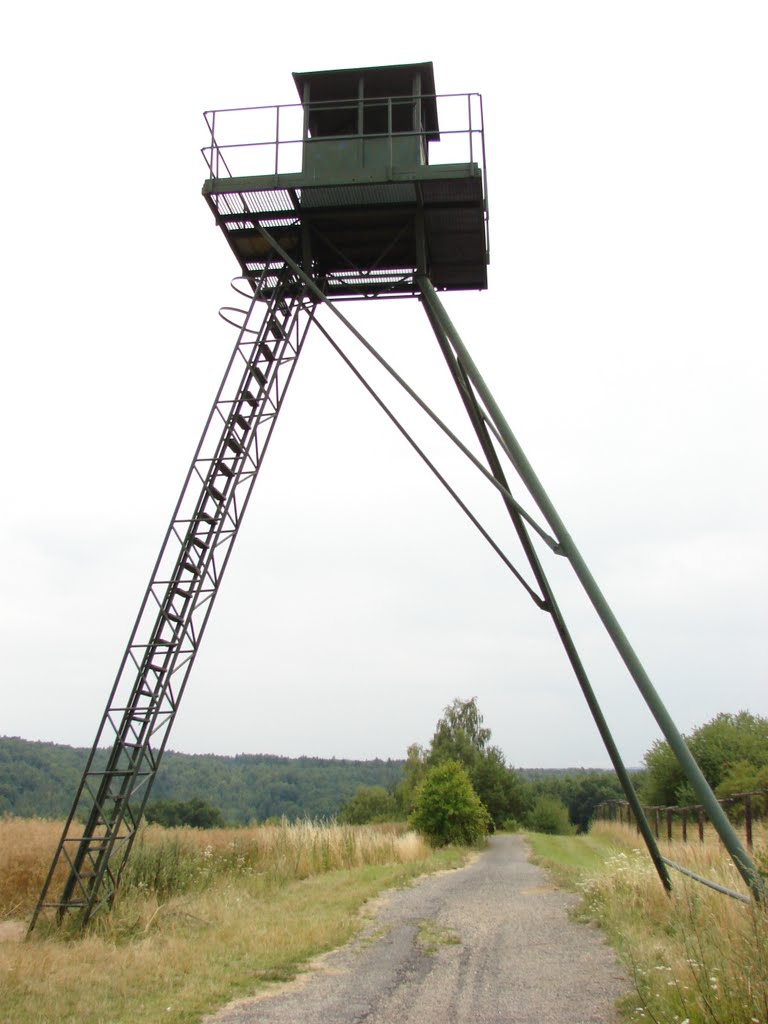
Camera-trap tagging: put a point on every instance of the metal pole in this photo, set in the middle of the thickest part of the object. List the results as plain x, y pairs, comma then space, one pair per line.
550, 603
688, 763
314, 289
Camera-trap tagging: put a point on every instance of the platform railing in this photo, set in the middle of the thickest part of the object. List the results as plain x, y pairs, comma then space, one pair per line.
270, 140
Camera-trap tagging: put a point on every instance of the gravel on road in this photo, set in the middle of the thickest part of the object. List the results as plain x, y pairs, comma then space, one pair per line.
491, 942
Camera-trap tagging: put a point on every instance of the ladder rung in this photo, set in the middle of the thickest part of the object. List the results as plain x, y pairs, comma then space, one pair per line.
157, 668
205, 517
264, 349
258, 374
199, 543
90, 842
140, 715
171, 616
214, 492
249, 398
190, 567
181, 592
241, 421
222, 467
234, 445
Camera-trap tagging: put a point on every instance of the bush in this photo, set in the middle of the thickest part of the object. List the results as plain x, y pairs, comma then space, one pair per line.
719, 746
369, 804
510, 825
447, 809
195, 813
460, 736
550, 815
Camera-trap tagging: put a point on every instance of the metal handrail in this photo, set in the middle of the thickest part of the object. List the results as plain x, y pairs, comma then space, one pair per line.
352, 102
213, 154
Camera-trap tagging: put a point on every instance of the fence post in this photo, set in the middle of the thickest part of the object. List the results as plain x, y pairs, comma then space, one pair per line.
656, 821
701, 824
669, 824
685, 824
748, 819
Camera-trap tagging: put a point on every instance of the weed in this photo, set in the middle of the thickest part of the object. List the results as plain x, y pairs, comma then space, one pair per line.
432, 936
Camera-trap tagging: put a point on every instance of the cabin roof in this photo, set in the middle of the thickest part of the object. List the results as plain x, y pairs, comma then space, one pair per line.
389, 80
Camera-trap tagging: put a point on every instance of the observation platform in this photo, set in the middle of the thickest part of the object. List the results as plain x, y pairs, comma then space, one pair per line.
343, 181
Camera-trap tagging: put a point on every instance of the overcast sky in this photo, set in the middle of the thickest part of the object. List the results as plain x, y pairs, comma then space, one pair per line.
623, 333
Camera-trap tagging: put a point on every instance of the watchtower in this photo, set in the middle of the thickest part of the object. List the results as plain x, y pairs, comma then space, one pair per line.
335, 197
367, 208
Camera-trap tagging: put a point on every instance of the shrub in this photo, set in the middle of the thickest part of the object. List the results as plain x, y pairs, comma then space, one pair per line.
510, 825
550, 815
719, 745
369, 804
195, 813
447, 809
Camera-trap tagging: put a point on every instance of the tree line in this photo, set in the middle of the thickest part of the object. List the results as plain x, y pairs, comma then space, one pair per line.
731, 750
40, 780
547, 801
462, 775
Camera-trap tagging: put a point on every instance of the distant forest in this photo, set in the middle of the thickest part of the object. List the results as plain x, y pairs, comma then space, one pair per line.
40, 780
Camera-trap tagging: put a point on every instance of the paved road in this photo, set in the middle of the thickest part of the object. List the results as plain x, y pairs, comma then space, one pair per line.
489, 943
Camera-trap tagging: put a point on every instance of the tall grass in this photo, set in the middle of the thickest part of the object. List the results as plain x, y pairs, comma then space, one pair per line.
26, 851
173, 861
696, 955
170, 862
202, 917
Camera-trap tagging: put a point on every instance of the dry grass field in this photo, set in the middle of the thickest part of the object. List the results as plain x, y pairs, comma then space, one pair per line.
202, 917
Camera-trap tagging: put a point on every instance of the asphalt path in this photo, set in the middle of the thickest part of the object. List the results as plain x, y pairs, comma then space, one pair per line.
491, 942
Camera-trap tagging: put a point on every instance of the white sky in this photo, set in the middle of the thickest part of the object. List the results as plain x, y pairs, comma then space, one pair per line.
623, 333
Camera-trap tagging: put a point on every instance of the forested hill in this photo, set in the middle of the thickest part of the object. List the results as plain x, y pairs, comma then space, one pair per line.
40, 780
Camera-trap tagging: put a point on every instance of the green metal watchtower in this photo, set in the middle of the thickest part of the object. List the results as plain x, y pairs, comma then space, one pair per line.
335, 197
348, 188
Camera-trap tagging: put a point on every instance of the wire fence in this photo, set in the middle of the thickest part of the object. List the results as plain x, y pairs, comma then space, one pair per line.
690, 823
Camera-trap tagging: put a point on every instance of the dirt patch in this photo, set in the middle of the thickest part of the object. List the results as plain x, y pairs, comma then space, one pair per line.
12, 931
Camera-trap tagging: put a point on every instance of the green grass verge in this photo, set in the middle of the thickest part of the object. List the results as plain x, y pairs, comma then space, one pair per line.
695, 955
571, 858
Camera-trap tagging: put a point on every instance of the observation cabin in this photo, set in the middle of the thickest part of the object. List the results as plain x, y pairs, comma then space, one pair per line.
348, 183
